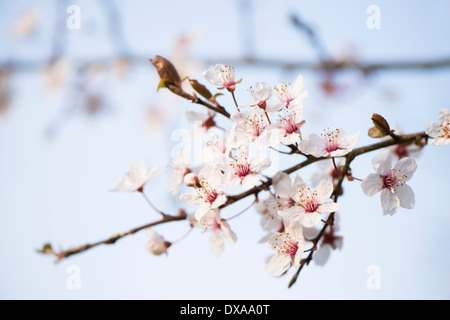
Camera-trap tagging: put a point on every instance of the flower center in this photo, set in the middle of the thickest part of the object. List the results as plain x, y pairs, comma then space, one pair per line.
286, 245
242, 170
308, 200
211, 196
227, 74
331, 140
444, 131
256, 125
284, 93
394, 179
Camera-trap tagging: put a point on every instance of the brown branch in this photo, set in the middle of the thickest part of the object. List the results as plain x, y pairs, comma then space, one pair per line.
254, 191
111, 240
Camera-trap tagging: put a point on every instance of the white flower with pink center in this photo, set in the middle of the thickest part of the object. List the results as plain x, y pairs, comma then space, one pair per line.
261, 92
332, 143
220, 230
309, 203
208, 195
215, 151
440, 131
289, 247
252, 126
391, 182
290, 94
221, 76
135, 178
243, 168
290, 124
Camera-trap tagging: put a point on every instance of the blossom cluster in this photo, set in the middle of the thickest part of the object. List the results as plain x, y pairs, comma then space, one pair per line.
236, 158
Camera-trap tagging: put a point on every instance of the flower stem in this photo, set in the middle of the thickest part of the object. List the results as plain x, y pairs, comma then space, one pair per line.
235, 102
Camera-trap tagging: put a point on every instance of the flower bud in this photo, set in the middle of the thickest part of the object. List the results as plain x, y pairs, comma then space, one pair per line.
191, 180
381, 124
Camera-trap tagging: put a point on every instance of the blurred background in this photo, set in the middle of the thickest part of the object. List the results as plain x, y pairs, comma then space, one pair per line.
78, 105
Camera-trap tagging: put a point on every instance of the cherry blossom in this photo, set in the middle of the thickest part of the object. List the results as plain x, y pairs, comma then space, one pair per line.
208, 195
309, 203
252, 126
216, 150
440, 131
332, 143
290, 124
261, 92
244, 169
290, 94
221, 76
220, 230
289, 247
391, 182
156, 244
135, 178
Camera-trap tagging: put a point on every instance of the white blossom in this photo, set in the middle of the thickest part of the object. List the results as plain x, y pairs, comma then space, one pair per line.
222, 76
309, 204
208, 195
252, 126
332, 143
135, 178
289, 247
391, 182
244, 169
440, 131
220, 230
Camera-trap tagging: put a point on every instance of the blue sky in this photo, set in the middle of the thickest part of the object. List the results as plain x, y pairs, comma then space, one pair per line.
57, 188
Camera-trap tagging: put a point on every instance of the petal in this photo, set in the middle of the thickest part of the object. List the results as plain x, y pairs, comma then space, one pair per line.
324, 190
407, 166
313, 145
281, 183
432, 129
291, 214
309, 220
216, 243
372, 184
329, 207
440, 141
406, 196
201, 212
227, 232
220, 200
349, 141
260, 163
382, 162
444, 115
213, 74
278, 264
389, 202
250, 181
297, 86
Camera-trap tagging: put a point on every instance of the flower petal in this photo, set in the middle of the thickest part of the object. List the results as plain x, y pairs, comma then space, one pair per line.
278, 264
372, 184
407, 166
406, 196
389, 202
